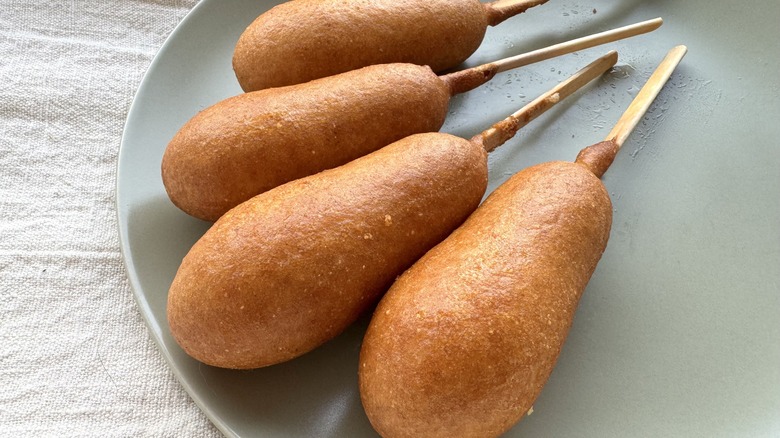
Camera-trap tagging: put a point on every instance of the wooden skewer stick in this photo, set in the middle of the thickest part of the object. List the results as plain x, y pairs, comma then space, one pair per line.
500, 10
646, 96
502, 131
599, 157
578, 44
471, 78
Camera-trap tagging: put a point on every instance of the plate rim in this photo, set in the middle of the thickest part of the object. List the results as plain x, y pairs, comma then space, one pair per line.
131, 269
124, 243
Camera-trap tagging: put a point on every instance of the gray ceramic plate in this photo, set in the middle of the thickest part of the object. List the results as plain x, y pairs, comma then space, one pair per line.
678, 333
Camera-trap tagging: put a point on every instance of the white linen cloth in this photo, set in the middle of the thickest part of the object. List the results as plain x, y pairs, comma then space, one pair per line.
75, 356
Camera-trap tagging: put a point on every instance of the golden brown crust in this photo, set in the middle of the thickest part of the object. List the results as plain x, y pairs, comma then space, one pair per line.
499, 11
470, 78
290, 269
463, 342
598, 157
248, 144
302, 40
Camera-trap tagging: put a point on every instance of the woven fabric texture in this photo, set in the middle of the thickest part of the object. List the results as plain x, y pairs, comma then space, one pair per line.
75, 356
